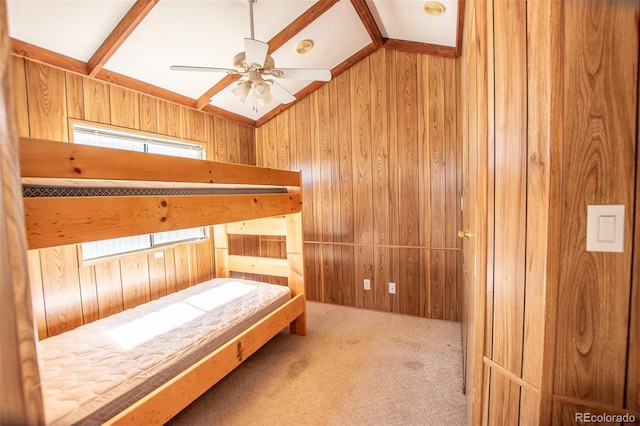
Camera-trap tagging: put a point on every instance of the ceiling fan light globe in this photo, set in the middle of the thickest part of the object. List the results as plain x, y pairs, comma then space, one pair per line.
261, 90
241, 91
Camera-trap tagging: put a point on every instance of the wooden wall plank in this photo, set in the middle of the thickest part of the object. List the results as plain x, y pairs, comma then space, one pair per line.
20, 96
124, 110
380, 145
204, 260
157, 274
452, 279
437, 282
313, 273
61, 289
381, 277
219, 139
88, 293
109, 288
394, 171
407, 154
134, 271
233, 141
324, 166
345, 228
316, 168
396, 266
510, 184
452, 147
147, 110
330, 288
97, 105
37, 296
75, 96
284, 130
171, 274
269, 136
194, 124
47, 106
247, 145
186, 270
332, 168
407, 287
303, 129
504, 401
361, 153
437, 154
363, 268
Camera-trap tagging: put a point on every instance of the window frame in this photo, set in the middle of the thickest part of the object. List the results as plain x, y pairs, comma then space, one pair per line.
155, 138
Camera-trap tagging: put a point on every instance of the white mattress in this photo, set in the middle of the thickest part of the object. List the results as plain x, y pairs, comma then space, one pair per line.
94, 371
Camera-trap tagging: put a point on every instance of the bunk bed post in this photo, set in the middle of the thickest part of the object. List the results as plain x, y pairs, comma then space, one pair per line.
296, 267
221, 250
20, 397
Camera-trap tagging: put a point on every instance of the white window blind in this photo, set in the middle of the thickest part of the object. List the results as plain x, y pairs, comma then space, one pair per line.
87, 135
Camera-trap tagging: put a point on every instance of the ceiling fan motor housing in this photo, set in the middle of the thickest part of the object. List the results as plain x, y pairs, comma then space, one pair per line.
239, 61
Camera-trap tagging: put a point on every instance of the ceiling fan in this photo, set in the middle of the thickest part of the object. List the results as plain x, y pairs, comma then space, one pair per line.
256, 65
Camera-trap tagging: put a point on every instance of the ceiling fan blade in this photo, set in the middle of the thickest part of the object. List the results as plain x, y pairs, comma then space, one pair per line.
303, 74
280, 93
202, 69
255, 52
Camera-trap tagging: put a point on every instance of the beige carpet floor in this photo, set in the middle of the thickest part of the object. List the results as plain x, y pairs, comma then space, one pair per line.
355, 367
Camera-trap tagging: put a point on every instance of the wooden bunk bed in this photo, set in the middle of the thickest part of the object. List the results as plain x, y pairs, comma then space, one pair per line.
269, 203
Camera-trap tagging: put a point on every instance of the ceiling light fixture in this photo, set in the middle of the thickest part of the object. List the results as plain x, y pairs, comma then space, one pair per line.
242, 90
433, 8
304, 46
259, 89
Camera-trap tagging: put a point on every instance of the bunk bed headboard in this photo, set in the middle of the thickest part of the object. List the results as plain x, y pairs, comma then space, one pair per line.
292, 268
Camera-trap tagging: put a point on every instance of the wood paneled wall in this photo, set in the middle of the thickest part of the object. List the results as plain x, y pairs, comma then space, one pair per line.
599, 98
561, 322
378, 149
65, 292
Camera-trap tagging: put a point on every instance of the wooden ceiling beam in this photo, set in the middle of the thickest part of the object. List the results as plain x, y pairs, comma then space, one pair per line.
423, 48
275, 43
299, 24
47, 57
368, 21
118, 36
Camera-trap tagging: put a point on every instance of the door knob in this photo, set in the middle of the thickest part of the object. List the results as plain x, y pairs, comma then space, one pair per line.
464, 234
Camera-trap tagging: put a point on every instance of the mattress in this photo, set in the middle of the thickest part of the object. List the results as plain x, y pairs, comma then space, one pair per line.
93, 372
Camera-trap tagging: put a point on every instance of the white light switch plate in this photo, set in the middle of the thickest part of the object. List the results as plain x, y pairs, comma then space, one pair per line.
605, 228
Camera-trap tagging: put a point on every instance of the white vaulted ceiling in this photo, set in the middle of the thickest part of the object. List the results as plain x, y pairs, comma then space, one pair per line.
133, 43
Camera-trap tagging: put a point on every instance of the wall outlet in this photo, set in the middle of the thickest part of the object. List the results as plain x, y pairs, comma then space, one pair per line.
367, 284
392, 288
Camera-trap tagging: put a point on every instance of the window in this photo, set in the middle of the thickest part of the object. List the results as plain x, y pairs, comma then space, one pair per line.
96, 136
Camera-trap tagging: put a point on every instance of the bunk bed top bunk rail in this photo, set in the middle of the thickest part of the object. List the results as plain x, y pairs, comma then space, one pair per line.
59, 220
